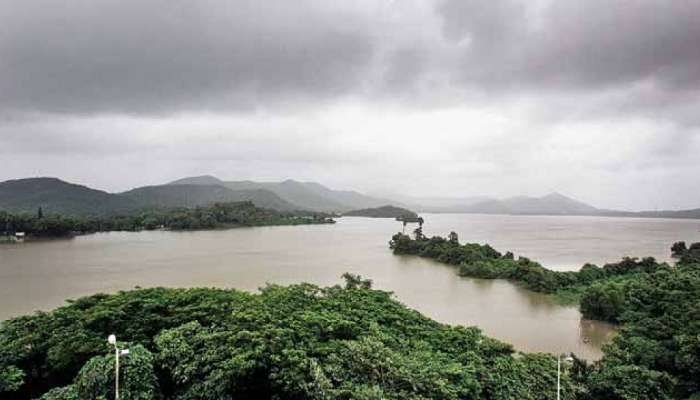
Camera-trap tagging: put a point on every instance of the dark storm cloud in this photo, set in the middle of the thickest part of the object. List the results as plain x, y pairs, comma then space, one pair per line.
508, 97
163, 56
577, 44
637, 56
148, 56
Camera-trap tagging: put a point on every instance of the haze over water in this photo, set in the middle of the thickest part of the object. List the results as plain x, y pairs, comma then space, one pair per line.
41, 275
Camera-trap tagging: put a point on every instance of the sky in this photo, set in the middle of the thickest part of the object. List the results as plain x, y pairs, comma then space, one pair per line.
595, 99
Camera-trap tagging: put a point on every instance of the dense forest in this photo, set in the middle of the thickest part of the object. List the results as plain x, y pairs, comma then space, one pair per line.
294, 342
352, 342
657, 352
482, 261
218, 215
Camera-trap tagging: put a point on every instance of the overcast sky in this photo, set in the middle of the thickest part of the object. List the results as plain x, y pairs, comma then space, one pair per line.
596, 99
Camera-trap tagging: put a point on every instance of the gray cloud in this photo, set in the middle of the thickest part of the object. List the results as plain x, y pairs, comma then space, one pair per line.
109, 56
503, 97
577, 44
142, 57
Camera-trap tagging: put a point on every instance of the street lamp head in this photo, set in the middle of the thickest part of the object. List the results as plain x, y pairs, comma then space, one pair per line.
112, 339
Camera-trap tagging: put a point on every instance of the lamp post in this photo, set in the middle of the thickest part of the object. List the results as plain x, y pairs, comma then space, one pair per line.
112, 339
567, 359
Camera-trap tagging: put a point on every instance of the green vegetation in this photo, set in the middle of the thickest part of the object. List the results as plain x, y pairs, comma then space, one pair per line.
64, 198
658, 348
657, 352
295, 342
482, 261
220, 215
200, 195
383, 212
58, 197
55, 196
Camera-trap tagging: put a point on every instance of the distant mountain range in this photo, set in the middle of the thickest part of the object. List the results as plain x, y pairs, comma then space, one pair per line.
57, 196
304, 195
551, 204
439, 204
198, 195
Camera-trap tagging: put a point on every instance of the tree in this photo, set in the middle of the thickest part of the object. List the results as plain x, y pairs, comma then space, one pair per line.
40, 213
353, 281
137, 377
629, 382
603, 302
62, 393
11, 378
418, 232
453, 238
678, 249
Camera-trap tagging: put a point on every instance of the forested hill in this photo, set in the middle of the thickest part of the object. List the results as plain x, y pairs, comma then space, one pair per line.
198, 195
60, 197
382, 212
306, 195
55, 196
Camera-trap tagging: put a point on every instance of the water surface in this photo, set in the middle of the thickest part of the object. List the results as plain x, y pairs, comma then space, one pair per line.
41, 275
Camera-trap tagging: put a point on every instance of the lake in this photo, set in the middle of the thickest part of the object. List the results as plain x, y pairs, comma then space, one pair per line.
42, 274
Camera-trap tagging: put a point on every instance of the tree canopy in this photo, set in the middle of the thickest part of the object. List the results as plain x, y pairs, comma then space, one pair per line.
657, 352
294, 342
218, 215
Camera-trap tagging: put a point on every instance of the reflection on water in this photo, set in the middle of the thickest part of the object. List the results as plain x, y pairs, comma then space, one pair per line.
41, 275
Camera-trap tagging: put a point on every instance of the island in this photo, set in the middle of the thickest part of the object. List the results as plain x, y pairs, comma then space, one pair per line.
387, 211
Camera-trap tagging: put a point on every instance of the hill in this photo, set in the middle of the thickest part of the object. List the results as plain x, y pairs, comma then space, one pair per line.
440, 204
692, 214
192, 195
304, 195
551, 204
382, 212
680, 214
198, 180
558, 204
55, 196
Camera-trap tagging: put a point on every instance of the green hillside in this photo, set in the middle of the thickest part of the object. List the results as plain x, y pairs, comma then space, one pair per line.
305, 195
55, 196
199, 195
